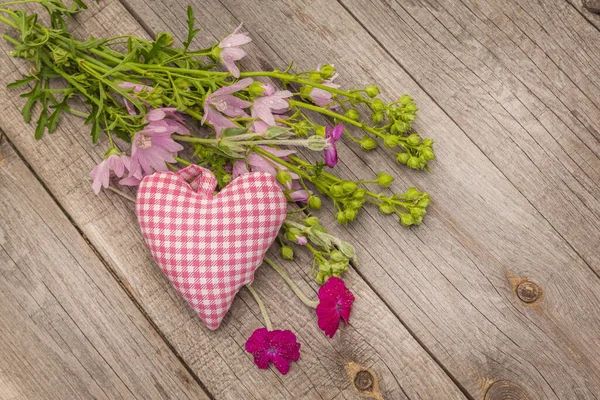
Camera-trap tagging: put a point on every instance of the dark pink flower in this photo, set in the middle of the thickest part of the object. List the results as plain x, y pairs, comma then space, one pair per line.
335, 302
230, 51
117, 163
330, 152
222, 101
279, 347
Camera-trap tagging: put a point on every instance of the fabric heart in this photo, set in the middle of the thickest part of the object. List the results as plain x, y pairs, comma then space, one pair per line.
209, 246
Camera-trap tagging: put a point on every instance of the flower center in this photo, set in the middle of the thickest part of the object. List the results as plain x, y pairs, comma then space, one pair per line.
272, 351
220, 105
143, 141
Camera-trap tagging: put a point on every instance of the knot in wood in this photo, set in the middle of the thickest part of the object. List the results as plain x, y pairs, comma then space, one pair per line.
528, 292
505, 390
364, 381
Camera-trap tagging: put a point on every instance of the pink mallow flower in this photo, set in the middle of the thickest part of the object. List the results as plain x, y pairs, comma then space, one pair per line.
153, 146
229, 51
330, 152
265, 106
335, 302
279, 347
117, 163
137, 88
222, 101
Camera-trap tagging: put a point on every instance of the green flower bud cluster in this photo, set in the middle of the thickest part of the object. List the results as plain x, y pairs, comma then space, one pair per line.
417, 203
418, 153
330, 264
349, 199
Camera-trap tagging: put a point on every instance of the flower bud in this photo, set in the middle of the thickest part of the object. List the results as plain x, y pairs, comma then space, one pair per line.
311, 221
256, 89
337, 256
347, 249
320, 130
316, 143
413, 140
315, 76
391, 141
384, 180
417, 212
359, 194
402, 158
413, 194
377, 105
428, 142
284, 178
336, 191
427, 153
352, 114
356, 203
386, 208
225, 179
424, 203
327, 71
349, 187
377, 117
368, 143
350, 214
399, 127
165, 38
305, 92
414, 163
372, 90
314, 202
287, 253
341, 217
406, 219
405, 100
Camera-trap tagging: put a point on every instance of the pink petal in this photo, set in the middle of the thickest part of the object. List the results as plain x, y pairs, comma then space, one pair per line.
235, 87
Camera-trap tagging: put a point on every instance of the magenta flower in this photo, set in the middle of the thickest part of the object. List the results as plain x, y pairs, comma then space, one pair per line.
265, 106
230, 51
330, 152
279, 347
117, 163
335, 302
222, 101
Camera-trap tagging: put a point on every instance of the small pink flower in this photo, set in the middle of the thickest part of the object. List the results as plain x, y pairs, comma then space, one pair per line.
230, 51
301, 240
118, 163
299, 195
335, 302
239, 168
137, 88
321, 97
259, 163
279, 347
222, 101
330, 152
265, 106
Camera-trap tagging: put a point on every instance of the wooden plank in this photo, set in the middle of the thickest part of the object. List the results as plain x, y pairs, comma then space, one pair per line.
67, 328
375, 339
452, 280
586, 8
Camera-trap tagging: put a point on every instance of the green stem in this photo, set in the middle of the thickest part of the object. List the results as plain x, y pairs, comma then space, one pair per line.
291, 284
333, 114
262, 307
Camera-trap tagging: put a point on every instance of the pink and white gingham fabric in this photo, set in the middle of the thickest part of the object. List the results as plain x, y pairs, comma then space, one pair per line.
209, 246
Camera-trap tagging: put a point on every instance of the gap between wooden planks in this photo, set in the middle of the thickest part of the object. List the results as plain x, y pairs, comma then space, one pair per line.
63, 161
452, 280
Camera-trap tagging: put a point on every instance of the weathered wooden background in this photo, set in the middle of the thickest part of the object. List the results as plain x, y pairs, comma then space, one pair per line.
496, 295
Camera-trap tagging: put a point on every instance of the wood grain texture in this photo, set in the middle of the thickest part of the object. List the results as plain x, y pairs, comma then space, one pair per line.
453, 280
582, 6
67, 328
376, 338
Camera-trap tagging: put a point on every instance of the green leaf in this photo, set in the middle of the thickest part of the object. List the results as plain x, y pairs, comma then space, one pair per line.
228, 132
163, 40
20, 82
227, 151
41, 125
96, 131
33, 96
191, 20
277, 132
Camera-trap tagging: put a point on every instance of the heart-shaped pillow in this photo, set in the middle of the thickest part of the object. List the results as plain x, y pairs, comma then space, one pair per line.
209, 246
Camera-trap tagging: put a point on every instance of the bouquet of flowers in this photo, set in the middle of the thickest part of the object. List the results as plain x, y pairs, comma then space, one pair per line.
164, 107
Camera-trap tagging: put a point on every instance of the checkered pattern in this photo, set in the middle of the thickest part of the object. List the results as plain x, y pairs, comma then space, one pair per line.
209, 246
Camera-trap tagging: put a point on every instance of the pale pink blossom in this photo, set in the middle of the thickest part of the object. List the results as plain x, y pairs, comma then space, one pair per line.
222, 101
265, 106
117, 163
231, 51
